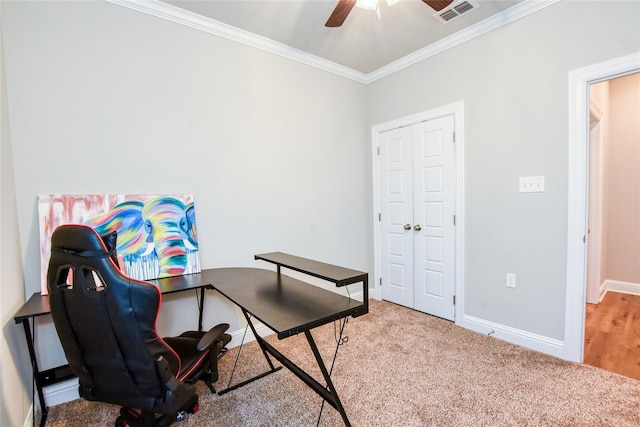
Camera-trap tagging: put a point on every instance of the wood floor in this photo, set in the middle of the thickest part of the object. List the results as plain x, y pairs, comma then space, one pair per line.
612, 334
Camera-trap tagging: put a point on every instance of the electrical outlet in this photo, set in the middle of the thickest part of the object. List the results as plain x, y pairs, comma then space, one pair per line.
511, 280
532, 184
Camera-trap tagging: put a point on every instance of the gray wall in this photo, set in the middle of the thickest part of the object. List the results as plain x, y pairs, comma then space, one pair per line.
514, 83
103, 99
15, 385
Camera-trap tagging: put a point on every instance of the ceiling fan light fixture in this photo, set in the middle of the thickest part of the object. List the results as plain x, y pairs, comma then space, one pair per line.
367, 4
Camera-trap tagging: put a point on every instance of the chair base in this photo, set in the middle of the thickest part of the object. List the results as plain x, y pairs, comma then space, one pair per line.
134, 418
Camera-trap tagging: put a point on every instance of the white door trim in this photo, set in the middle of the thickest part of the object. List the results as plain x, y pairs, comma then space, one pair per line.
594, 206
579, 81
457, 110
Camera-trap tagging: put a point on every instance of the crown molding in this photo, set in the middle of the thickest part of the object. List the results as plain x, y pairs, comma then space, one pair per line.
514, 13
180, 16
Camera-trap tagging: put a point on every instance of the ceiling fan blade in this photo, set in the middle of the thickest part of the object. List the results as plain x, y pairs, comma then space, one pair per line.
340, 13
438, 5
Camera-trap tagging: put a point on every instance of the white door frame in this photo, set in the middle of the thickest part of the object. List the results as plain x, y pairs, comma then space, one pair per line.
457, 110
579, 81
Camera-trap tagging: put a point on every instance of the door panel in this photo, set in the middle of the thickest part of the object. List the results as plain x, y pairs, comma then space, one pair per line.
433, 197
397, 210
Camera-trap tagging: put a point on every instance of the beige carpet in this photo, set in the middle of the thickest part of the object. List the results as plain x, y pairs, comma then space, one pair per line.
404, 368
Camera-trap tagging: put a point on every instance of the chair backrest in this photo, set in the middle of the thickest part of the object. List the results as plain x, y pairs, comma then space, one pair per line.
106, 321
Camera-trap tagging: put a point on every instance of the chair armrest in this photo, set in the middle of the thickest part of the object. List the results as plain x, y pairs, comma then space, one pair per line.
166, 376
214, 334
176, 393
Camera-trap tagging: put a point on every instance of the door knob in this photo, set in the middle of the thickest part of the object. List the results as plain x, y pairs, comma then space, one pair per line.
407, 227
417, 227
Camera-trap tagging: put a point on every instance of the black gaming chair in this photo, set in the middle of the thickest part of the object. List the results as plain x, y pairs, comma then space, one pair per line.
106, 324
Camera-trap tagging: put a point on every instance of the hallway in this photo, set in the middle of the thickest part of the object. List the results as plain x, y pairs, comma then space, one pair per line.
612, 334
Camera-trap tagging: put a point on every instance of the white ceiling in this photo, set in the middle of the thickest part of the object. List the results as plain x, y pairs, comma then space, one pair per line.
363, 43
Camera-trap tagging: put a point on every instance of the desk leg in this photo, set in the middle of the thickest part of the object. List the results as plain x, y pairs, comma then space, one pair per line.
261, 343
36, 372
335, 400
328, 392
200, 309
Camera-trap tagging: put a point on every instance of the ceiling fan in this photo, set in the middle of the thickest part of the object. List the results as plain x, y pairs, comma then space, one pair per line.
343, 8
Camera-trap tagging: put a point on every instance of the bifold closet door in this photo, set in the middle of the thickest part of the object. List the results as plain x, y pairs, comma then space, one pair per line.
396, 216
417, 186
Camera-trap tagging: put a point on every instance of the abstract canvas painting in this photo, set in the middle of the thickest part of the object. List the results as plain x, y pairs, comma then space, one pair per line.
156, 233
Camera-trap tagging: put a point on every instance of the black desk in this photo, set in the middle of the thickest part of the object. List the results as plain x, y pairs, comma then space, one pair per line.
284, 304
289, 306
38, 305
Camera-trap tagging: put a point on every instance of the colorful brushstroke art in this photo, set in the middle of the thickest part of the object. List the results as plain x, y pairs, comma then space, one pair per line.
156, 233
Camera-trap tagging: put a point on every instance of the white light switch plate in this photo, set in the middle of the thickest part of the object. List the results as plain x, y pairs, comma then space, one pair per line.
511, 280
532, 184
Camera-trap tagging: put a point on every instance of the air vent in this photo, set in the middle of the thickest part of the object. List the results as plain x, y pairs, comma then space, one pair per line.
463, 7
455, 10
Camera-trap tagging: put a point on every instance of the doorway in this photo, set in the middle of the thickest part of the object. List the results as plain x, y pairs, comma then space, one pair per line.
577, 232
613, 241
418, 215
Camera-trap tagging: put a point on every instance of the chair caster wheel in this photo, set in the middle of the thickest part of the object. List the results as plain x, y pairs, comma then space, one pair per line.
180, 416
121, 422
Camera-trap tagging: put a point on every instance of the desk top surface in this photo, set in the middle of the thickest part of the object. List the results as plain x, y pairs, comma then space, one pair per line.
286, 305
38, 304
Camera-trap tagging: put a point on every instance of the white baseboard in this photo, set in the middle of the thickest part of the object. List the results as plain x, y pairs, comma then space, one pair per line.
515, 336
28, 421
62, 392
358, 295
602, 291
622, 287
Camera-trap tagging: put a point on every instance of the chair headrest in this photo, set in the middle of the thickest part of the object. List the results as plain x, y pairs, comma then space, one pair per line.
82, 240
